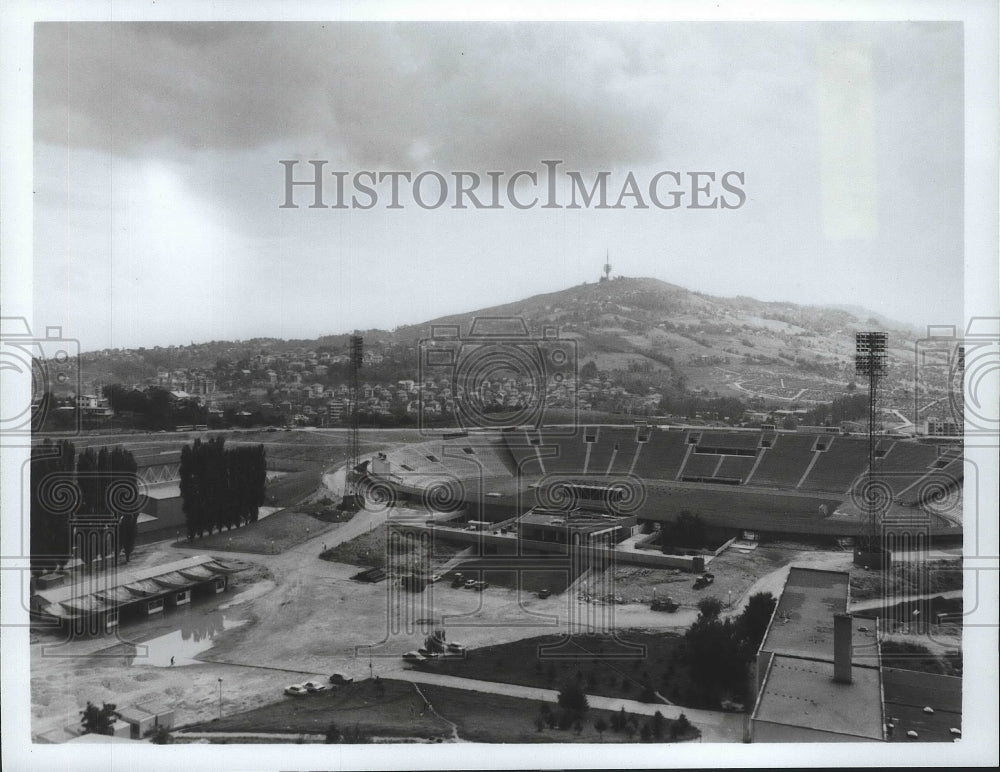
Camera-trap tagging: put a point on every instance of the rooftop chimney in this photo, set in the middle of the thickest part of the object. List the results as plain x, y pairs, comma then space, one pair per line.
843, 641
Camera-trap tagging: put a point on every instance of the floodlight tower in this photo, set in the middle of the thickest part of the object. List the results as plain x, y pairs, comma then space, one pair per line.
351, 488
870, 362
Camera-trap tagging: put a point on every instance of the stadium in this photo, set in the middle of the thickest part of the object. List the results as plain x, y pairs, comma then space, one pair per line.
756, 483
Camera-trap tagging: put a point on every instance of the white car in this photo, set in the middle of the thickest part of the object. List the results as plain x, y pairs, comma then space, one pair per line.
415, 657
296, 690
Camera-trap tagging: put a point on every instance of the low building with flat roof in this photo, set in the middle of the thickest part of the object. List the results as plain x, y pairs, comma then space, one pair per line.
578, 524
92, 602
818, 675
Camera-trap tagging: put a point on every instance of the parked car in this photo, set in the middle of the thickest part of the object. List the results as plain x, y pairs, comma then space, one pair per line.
543, 594
414, 657
313, 686
471, 584
456, 648
296, 690
339, 679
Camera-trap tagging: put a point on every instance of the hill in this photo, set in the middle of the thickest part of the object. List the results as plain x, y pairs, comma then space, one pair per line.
667, 338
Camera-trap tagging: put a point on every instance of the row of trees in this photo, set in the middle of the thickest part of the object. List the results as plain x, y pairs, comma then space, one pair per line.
221, 487
94, 494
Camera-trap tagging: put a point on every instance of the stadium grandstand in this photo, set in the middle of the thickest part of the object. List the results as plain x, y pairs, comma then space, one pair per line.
770, 481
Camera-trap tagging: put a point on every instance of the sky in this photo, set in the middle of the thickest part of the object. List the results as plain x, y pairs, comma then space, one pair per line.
158, 213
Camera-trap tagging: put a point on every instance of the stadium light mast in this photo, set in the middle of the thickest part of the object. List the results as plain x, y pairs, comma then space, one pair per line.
351, 488
870, 362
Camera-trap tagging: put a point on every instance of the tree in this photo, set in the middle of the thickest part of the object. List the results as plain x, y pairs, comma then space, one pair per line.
99, 720
709, 608
714, 659
128, 530
600, 725
659, 726
53, 501
161, 736
753, 621
687, 530
572, 699
333, 734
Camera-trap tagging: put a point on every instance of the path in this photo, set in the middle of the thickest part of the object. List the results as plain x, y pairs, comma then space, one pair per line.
715, 726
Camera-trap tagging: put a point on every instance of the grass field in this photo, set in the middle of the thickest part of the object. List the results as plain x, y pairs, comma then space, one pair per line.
402, 713
269, 536
601, 664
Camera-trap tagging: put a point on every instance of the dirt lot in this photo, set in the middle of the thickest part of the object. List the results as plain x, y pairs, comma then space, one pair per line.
735, 574
934, 576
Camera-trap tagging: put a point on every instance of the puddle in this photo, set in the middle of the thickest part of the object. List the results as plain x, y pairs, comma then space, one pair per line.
194, 636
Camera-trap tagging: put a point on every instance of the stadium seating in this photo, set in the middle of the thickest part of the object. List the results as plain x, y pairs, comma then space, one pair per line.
736, 467
908, 457
662, 456
700, 465
838, 466
783, 464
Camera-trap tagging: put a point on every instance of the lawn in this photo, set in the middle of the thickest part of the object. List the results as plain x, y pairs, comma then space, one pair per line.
603, 665
401, 712
269, 536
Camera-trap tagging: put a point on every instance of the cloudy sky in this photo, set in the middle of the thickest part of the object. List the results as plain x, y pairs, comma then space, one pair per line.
158, 187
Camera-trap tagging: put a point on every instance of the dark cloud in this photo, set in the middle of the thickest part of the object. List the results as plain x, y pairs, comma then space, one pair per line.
493, 95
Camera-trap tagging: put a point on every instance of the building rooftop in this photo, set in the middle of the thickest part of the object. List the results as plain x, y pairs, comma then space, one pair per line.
92, 592
575, 518
802, 693
908, 692
803, 620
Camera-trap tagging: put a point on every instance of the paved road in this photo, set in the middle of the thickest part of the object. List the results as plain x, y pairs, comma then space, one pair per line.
715, 726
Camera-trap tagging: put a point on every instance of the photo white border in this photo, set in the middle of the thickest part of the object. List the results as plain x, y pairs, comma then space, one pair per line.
981, 281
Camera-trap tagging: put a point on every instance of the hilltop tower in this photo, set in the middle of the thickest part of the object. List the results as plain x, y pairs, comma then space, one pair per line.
607, 268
